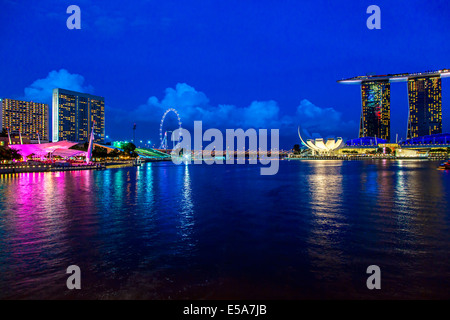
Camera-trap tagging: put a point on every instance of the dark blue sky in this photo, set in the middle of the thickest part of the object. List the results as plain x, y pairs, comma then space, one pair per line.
268, 64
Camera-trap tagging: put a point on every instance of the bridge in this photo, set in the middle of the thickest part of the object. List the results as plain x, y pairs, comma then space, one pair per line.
150, 153
147, 153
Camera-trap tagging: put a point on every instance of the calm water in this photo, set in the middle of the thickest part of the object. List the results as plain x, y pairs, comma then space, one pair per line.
163, 231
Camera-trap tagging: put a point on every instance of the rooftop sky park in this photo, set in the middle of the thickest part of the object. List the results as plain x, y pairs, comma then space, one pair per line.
424, 97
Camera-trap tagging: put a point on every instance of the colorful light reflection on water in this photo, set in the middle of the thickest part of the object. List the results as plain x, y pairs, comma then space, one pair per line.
164, 231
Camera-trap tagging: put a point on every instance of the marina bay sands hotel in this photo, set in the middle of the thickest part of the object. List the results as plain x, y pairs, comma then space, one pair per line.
424, 97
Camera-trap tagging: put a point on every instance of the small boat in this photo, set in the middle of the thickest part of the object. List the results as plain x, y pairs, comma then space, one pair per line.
138, 162
444, 165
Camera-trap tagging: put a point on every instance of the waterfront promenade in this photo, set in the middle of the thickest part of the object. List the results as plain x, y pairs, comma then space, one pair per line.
366, 157
20, 168
32, 166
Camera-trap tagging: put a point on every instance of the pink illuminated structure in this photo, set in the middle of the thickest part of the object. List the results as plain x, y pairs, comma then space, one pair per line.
47, 150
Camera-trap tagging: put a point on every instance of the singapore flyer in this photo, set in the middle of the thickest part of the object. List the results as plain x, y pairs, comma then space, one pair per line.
163, 134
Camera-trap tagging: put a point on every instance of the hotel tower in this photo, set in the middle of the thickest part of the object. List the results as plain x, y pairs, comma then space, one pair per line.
425, 106
74, 114
424, 97
376, 109
25, 118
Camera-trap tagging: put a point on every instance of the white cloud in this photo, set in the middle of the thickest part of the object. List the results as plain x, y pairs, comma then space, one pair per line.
41, 89
194, 105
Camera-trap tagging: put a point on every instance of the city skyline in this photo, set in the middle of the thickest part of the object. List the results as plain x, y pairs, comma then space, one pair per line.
75, 115
424, 99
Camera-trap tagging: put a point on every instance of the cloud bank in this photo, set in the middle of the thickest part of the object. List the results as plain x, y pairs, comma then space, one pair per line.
194, 105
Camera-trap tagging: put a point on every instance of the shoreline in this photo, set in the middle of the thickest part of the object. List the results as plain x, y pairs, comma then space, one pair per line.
368, 158
36, 167
46, 167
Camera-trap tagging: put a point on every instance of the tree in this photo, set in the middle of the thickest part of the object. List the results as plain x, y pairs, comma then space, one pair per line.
296, 149
9, 154
4, 133
80, 146
15, 155
4, 154
129, 147
99, 152
113, 154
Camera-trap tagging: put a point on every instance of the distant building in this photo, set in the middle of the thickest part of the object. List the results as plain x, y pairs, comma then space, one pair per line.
365, 142
376, 109
425, 108
74, 114
442, 139
25, 118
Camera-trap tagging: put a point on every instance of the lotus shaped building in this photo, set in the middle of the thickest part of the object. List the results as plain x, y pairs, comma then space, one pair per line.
322, 147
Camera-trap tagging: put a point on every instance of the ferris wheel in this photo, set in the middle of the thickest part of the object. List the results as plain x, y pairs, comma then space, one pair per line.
163, 134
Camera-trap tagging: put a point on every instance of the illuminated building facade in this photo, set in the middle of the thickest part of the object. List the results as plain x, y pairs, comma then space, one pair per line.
425, 106
376, 109
25, 118
74, 114
424, 95
320, 146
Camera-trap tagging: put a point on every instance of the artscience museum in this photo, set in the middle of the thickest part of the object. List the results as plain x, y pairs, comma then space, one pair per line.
321, 147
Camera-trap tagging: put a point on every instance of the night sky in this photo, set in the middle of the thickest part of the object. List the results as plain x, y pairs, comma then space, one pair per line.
232, 64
